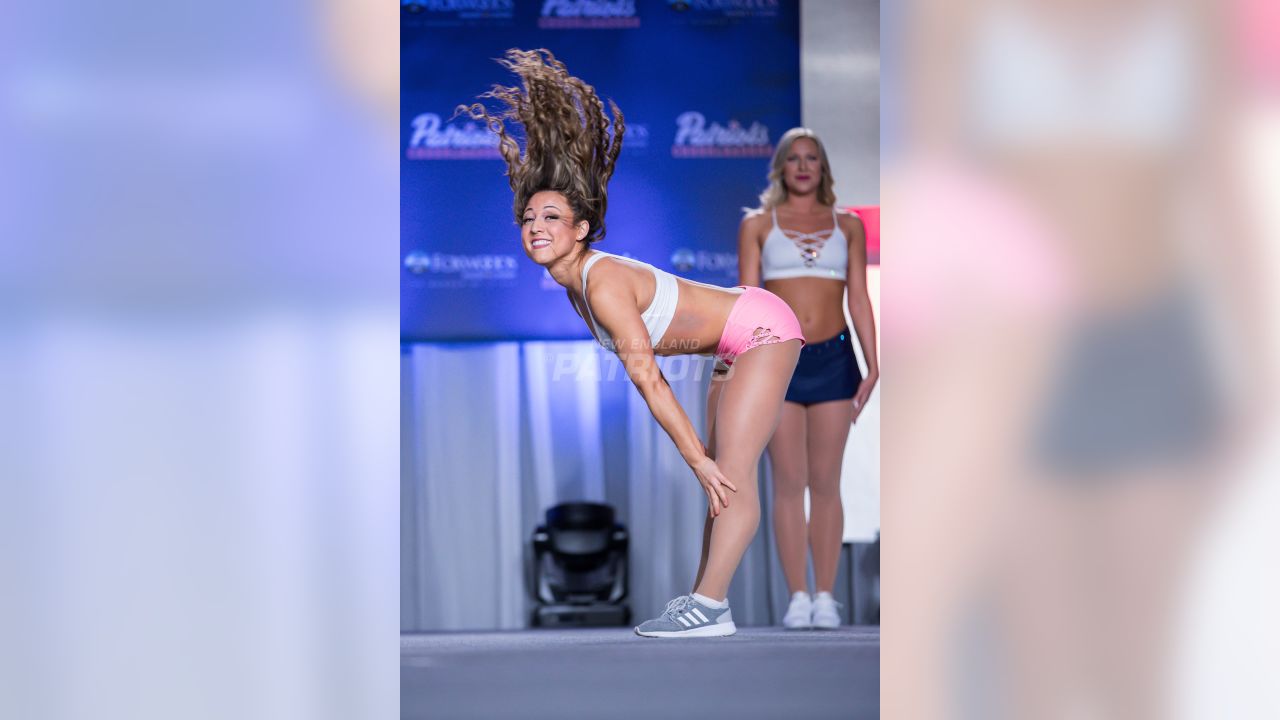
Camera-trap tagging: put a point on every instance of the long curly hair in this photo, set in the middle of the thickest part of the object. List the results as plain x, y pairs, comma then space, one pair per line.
569, 145
777, 190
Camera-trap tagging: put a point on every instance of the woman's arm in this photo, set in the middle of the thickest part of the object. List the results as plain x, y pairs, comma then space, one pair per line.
749, 251
864, 322
614, 303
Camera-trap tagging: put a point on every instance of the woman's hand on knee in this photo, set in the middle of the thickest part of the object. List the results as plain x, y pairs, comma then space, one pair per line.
714, 483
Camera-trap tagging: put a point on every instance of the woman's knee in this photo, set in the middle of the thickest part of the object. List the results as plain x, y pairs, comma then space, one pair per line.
745, 504
789, 481
747, 490
738, 472
825, 487
746, 510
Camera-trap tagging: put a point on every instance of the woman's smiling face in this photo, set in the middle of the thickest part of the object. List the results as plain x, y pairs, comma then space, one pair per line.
547, 228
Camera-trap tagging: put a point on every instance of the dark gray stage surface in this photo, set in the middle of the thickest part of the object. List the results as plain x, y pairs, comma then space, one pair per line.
612, 673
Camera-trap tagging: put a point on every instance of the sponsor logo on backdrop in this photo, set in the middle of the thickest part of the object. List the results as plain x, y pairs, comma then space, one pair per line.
635, 139
701, 261
458, 12
451, 269
697, 138
723, 11
588, 15
431, 138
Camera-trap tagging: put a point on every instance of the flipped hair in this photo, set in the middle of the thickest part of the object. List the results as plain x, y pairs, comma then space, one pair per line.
570, 145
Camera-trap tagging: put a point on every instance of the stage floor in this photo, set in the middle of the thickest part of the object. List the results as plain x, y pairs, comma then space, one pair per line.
613, 673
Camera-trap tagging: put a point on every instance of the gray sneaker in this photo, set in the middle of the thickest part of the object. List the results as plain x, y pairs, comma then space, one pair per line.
686, 617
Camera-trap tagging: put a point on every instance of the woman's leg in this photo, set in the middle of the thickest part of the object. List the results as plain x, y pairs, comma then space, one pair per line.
828, 425
747, 413
788, 456
713, 401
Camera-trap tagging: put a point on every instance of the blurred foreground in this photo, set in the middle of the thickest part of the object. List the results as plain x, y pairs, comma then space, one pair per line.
1079, 350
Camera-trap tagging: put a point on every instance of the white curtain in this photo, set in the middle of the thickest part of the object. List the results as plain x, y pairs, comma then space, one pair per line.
494, 434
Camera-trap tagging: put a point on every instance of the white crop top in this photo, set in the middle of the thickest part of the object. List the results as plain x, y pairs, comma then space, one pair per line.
792, 254
657, 317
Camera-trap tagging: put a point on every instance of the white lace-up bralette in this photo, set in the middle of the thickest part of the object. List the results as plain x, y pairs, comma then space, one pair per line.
790, 254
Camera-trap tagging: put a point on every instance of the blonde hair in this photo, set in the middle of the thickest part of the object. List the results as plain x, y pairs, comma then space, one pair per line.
568, 144
776, 193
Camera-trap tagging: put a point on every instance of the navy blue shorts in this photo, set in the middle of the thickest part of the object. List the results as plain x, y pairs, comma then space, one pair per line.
827, 371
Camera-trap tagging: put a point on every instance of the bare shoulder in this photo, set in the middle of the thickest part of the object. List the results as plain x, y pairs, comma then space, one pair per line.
755, 223
849, 221
612, 279
754, 217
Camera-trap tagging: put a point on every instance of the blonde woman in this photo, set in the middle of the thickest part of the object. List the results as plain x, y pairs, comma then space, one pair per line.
813, 257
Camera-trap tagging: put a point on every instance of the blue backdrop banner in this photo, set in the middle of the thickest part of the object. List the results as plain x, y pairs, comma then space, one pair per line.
707, 87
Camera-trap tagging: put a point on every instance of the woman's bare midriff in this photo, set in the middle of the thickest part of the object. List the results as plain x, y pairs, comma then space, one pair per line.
701, 314
817, 302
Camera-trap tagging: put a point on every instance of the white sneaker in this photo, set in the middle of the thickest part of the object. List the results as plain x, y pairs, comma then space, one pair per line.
826, 611
799, 612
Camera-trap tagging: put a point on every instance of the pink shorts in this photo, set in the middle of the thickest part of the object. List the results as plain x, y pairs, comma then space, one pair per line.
758, 318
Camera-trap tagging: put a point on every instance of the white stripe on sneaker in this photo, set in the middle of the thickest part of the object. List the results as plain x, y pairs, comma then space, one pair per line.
701, 617
683, 621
